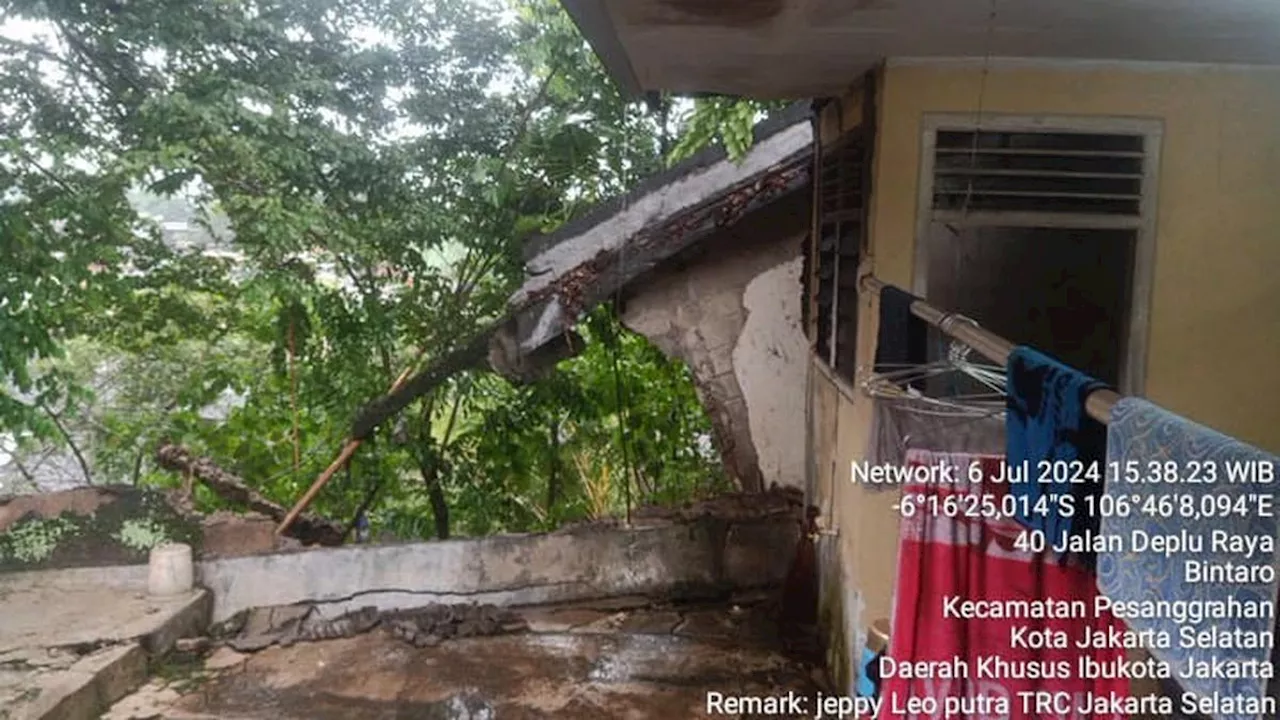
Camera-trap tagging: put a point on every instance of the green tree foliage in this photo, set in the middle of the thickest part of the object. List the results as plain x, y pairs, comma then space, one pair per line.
726, 120
362, 175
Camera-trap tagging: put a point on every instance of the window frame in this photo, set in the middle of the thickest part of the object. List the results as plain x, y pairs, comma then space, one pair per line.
1133, 371
841, 343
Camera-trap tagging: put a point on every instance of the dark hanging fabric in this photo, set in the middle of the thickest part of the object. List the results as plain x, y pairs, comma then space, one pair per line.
1047, 428
903, 337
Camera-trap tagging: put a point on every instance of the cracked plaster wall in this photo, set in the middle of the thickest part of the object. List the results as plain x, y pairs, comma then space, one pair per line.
733, 314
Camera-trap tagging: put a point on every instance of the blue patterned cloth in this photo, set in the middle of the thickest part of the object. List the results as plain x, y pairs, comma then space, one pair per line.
1141, 433
1046, 421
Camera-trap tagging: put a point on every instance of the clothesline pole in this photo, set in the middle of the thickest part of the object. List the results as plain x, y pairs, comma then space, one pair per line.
992, 346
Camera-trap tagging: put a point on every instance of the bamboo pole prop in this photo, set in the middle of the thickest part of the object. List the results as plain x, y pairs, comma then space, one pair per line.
403, 391
994, 347
323, 478
293, 399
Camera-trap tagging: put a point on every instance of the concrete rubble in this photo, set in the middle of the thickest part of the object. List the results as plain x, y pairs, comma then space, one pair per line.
427, 626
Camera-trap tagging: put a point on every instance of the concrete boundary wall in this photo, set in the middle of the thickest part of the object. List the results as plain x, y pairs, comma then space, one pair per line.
589, 563
702, 555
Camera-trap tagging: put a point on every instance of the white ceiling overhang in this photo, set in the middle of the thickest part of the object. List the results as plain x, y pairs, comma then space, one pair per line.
811, 48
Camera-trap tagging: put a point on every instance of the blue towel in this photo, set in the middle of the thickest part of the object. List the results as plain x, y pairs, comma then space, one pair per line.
1046, 421
1140, 433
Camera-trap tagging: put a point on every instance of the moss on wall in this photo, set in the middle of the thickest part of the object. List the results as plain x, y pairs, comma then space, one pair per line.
831, 616
121, 531
831, 622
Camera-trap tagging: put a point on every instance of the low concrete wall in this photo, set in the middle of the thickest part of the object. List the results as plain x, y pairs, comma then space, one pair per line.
702, 555
89, 527
669, 559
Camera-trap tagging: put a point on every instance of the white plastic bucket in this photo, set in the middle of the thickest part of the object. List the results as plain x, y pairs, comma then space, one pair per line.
172, 571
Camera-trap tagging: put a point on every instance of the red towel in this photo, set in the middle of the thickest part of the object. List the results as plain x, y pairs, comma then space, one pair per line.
971, 558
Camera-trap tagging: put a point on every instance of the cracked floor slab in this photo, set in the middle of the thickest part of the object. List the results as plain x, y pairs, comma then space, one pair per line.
578, 662
68, 649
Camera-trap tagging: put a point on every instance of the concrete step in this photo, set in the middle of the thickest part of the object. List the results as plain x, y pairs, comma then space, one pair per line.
87, 688
69, 653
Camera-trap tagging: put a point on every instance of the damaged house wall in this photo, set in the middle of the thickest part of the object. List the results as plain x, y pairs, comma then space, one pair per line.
706, 257
732, 313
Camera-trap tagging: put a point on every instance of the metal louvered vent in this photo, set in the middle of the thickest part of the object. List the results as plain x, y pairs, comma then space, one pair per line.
841, 209
1062, 173
841, 184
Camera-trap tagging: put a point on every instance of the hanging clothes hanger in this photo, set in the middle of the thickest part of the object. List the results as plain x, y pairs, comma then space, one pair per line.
902, 383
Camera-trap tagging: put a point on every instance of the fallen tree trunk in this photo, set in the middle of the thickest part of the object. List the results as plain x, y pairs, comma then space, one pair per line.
471, 354
404, 393
307, 529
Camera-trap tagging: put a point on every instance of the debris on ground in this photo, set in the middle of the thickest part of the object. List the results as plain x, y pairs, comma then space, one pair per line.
193, 645
431, 625
260, 628
578, 660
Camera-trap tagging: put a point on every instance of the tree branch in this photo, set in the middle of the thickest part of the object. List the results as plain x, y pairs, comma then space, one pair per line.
137, 463
90, 65
377, 412
538, 100
370, 294
47, 173
26, 474
308, 529
365, 504
71, 443
453, 416
43, 52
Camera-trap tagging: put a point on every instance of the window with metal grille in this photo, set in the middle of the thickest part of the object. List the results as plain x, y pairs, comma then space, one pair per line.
1094, 178
841, 192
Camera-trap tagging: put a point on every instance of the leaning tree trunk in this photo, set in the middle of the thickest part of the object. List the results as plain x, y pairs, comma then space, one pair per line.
308, 529
435, 493
553, 467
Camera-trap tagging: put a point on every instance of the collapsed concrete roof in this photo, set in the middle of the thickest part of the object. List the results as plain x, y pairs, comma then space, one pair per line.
621, 242
614, 246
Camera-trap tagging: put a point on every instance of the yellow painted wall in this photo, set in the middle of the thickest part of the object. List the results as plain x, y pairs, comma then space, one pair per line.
862, 527
1214, 333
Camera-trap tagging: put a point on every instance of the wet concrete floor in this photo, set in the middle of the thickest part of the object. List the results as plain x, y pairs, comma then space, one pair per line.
572, 663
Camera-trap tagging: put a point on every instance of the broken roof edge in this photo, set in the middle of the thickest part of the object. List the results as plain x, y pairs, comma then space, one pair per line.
792, 115
537, 333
